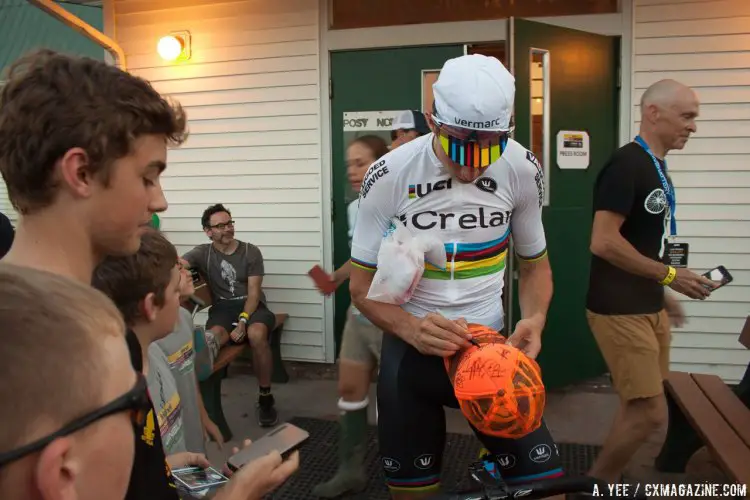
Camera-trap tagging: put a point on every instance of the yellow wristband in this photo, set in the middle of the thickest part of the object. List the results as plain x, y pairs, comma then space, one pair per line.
669, 278
244, 315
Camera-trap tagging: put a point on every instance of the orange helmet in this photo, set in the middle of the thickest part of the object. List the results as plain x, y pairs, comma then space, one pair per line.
499, 389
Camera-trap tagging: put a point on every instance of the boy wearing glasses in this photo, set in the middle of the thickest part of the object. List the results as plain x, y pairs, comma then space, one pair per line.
234, 272
100, 392
470, 185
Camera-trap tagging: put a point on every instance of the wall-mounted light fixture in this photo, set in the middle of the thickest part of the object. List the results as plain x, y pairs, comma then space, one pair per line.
174, 46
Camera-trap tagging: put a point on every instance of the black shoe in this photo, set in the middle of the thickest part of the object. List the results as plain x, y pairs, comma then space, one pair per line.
267, 416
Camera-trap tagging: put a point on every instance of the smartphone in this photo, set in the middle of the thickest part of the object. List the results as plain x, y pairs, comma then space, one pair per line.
720, 275
198, 478
322, 279
285, 439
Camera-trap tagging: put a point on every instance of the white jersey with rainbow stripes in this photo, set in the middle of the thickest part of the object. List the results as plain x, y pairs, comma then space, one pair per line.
474, 220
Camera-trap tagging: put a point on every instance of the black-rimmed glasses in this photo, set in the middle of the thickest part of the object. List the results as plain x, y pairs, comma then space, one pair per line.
135, 401
223, 225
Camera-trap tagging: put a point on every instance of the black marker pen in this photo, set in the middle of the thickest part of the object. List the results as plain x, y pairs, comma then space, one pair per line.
472, 341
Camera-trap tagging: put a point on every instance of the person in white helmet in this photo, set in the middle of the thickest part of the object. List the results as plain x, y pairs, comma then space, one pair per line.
472, 186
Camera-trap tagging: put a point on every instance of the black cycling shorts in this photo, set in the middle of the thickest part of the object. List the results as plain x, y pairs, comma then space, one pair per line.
413, 390
227, 312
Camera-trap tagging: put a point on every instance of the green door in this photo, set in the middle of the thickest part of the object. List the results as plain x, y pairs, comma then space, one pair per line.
370, 80
581, 86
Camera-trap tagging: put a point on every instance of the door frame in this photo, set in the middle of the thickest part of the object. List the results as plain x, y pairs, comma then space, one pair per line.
617, 24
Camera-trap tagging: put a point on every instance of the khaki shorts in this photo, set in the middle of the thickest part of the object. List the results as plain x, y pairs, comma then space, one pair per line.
362, 340
636, 349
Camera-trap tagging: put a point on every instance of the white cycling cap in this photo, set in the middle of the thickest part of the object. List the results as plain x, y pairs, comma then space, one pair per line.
474, 92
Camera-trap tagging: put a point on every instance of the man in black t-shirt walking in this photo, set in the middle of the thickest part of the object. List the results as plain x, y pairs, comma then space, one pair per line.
627, 308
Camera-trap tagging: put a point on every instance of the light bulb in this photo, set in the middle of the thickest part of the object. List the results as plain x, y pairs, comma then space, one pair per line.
169, 47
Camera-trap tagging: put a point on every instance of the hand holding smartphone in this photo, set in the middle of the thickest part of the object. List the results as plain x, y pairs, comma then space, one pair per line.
258, 478
719, 275
323, 281
285, 439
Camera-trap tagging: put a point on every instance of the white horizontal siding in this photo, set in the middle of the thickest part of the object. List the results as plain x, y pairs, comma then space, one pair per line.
5, 206
251, 91
706, 44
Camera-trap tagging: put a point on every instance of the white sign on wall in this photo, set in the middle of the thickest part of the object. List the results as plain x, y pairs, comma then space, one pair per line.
355, 121
573, 149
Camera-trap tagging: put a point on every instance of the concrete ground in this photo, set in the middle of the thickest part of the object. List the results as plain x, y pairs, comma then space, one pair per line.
580, 414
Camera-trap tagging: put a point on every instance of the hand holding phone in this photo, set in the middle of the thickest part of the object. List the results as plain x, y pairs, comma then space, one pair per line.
284, 439
692, 285
719, 275
323, 281
260, 477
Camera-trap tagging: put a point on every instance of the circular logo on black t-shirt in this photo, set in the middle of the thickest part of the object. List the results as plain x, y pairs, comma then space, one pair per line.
655, 202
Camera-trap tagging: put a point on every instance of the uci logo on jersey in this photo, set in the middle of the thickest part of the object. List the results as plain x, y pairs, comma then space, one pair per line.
420, 190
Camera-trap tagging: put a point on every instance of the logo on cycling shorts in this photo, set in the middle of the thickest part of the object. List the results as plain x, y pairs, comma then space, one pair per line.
506, 461
391, 464
425, 461
540, 453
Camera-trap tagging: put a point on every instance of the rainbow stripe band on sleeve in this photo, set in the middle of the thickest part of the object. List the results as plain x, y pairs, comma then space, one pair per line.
364, 265
421, 484
534, 258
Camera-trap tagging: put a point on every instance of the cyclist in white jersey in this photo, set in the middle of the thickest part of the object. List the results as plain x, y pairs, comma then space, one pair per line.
472, 186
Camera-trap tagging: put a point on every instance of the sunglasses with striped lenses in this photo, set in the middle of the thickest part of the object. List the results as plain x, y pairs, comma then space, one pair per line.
476, 149
136, 402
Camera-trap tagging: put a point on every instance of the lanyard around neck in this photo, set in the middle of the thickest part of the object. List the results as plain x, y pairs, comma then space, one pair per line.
668, 189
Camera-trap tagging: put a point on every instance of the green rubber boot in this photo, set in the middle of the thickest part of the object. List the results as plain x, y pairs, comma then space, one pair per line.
350, 476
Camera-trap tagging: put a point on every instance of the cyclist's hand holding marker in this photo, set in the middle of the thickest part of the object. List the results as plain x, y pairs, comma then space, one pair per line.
439, 336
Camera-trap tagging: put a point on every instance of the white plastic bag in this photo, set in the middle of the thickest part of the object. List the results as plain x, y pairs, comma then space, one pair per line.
401, 264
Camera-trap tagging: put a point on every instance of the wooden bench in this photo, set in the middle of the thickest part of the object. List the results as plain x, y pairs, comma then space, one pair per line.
703, 410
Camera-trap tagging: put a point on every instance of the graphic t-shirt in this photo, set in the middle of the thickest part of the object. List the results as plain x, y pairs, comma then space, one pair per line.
163, 389
227, 274
629, 185
178, 349
151, 477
